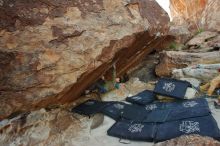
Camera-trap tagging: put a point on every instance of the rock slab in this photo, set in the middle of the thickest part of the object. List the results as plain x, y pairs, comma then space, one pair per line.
52, 50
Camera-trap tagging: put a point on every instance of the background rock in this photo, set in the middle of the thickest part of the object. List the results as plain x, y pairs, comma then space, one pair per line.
181, 33
204, 42
196, 14
51, 51
210, 16
170, 60
145, 71
203, 48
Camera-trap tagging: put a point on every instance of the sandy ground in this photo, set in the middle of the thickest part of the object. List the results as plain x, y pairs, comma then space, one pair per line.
100, 137
60, 127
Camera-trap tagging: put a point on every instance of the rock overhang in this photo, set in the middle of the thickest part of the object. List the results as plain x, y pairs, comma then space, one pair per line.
53, 58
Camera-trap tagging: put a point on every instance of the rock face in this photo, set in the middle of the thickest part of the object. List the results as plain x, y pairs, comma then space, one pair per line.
52, 50
56, 127
204, 42
170, 60
145, 71
190, 140
203, 48
196, 14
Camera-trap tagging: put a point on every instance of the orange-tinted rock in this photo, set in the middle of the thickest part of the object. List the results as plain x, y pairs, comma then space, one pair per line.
52, 50
197, 14
210, 17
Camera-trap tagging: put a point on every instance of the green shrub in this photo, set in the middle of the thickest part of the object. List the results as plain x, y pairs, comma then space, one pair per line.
173, 46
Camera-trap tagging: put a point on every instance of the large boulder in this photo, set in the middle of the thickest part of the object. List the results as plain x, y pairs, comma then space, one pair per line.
196, 14
52, 50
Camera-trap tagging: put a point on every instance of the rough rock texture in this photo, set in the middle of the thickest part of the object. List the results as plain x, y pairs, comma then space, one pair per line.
145, 71
184, 11
203, 48
210, 16
56, 127
170, 60
181, 33
59, 127
202, 73
52, 50
196, 14
204, 42
202, 37
190, 140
